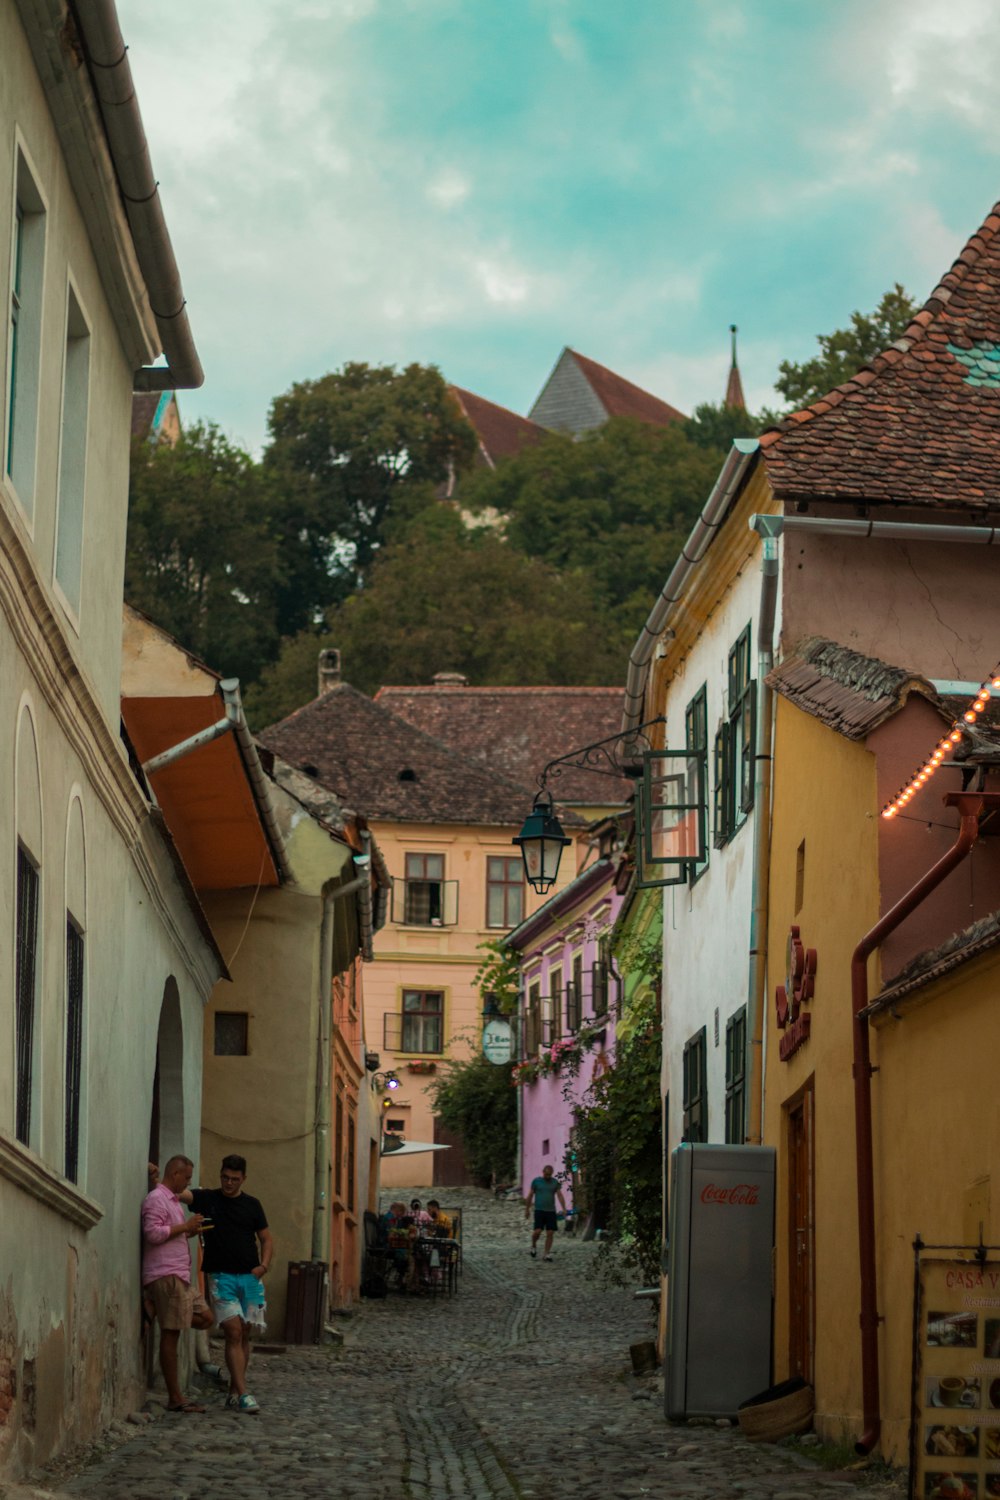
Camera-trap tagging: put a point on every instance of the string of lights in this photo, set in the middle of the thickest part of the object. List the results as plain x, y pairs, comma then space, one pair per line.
945, 747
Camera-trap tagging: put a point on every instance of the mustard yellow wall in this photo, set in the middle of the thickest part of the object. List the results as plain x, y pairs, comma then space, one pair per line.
937, 1129
435, 958
824, 793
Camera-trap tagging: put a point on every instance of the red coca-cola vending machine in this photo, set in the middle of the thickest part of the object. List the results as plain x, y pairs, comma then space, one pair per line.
719, 1295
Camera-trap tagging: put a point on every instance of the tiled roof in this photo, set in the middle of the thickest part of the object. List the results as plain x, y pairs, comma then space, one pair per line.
620, 398
921, 425
518, 729
734, 389
383, 767
851, 693
144, 405
958, 949
501, 433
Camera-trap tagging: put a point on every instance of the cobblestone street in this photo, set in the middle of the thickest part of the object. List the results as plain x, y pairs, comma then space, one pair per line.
518, 1386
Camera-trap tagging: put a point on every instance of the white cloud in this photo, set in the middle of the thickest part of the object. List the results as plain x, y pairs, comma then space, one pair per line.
502, 283
449, 188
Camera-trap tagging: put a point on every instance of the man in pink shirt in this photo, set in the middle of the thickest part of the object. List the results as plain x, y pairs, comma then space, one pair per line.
166, 1271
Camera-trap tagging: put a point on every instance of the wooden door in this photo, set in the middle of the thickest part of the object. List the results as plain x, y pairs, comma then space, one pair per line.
801, 1245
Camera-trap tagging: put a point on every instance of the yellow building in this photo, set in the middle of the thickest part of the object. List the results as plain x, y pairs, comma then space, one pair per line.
445, 780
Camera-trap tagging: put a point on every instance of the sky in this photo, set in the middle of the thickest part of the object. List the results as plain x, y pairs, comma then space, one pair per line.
477, 183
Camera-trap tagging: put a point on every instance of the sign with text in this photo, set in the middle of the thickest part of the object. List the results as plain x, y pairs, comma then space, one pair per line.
498, 1042
955, 1436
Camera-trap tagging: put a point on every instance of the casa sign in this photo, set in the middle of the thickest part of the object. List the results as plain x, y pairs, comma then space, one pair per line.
790, 997
498, 1042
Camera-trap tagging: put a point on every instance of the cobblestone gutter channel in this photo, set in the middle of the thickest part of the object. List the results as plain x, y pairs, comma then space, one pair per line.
517, 1387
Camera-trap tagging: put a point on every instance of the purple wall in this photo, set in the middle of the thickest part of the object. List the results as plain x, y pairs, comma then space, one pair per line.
572, 930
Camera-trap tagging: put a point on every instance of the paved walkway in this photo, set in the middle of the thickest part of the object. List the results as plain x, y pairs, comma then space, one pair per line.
520, 1386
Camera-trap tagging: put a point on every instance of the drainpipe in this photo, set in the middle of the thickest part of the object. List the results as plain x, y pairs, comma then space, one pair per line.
879, 531
970, 805
754, 1064
697, 544
111, 76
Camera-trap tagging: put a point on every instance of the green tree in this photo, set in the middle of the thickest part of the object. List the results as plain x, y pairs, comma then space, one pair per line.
477, 1100
444, 598
845, 351
358, 450
614, 507
715, 425
203, 558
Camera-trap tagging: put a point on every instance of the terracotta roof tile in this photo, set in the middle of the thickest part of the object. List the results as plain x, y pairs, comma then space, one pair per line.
518, 729
851, 693
501, 433
921, 425
620, 398
381, 766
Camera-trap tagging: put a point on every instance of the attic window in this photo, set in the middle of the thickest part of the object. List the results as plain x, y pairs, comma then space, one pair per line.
407, 774
312, 771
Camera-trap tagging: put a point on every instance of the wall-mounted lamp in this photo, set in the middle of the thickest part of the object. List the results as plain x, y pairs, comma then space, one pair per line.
388, 1080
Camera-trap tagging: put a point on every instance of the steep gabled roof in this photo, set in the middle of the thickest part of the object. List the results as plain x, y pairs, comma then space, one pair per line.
620, 398
375, 761
920, 426
516, 730
501, 433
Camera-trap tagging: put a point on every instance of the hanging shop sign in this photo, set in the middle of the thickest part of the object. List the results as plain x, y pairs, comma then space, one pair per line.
498, 1042
796, 992
955, 1427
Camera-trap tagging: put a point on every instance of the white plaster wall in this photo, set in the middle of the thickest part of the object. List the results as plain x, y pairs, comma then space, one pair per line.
95, 637
706, 927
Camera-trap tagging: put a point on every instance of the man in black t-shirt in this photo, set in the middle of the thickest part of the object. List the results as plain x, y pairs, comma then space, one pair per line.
237, 1253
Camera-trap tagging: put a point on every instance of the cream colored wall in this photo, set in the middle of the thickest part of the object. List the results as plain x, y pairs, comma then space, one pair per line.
824, 794
153, 666
263, 1106
444, 958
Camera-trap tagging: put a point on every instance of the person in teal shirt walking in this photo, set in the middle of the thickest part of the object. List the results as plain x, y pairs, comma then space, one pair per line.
544, 1192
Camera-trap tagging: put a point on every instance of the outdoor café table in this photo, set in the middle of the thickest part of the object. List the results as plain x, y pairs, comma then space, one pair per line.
439, 1256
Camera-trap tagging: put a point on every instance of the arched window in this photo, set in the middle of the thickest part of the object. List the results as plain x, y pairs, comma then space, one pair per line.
27, 905
74, 1072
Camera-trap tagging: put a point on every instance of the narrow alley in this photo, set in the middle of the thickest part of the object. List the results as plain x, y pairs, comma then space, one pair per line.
520, 1385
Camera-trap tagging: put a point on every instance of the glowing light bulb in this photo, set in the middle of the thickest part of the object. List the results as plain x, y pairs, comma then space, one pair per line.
995, 683
969, 716
890, 812
955, 736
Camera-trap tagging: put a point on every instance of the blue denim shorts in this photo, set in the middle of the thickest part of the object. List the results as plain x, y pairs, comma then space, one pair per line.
237, 1296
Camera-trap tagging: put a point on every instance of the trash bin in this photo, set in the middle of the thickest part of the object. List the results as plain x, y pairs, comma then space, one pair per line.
305, 1306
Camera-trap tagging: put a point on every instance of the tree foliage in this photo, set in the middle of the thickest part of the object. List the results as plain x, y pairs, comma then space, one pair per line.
475, 1099
845, 351
359, 449
443, 598
203, 556
715, 425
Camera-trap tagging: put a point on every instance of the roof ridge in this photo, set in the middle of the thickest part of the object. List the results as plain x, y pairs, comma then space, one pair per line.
915, 331
607, 370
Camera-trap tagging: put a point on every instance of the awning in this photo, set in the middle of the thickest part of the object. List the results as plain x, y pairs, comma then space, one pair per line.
408, 1148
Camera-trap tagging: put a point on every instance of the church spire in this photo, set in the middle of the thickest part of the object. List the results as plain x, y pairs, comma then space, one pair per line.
734, 386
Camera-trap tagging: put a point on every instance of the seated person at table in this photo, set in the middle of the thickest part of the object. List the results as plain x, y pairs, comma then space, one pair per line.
441, 1224
420, 1216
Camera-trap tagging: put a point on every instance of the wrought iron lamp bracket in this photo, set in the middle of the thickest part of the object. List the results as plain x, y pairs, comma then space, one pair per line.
600, 757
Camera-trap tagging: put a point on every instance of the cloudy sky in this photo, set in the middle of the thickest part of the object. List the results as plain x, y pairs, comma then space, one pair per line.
476, 183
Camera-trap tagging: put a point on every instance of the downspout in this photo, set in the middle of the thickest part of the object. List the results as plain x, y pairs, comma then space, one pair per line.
111, 76
711, 518
754, 1063
970, 805
229, 687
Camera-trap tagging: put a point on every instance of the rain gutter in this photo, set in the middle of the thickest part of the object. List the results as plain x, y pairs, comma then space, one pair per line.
734, 471
885, 531
970, 805
111, 76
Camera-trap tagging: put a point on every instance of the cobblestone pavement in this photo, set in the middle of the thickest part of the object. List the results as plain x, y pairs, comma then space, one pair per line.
519, 1386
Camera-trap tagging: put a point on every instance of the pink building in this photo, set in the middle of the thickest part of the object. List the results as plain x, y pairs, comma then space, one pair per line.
568, 1009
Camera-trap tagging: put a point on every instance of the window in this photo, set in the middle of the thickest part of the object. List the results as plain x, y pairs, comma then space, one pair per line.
696, 740
74, 1045
504, 891
736, 1041
424, 898
24, 993
695, 1122
423, 1020
533, 1020
73, 454
231, 1033
734, 746
338, 1147
599, 979
574, 996
553, 1016
395, 1127
27, 270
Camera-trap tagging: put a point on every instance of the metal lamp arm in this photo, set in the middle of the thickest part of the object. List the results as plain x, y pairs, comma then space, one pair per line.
589, 757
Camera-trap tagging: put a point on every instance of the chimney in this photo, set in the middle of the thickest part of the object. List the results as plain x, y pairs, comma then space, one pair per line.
449, 680
329, 669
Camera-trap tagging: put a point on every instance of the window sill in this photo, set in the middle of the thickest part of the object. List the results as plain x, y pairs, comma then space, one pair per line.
26, 1170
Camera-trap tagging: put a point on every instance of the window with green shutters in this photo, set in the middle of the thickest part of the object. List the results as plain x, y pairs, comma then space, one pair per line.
695, 1123
736, 1044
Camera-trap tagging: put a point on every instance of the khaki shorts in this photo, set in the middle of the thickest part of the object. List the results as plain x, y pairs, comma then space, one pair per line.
174, 1301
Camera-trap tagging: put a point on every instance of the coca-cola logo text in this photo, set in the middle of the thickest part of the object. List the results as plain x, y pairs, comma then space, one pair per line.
744, 1194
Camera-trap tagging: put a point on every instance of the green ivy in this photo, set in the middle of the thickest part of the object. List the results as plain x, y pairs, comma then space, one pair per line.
498, 976
474, 1098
